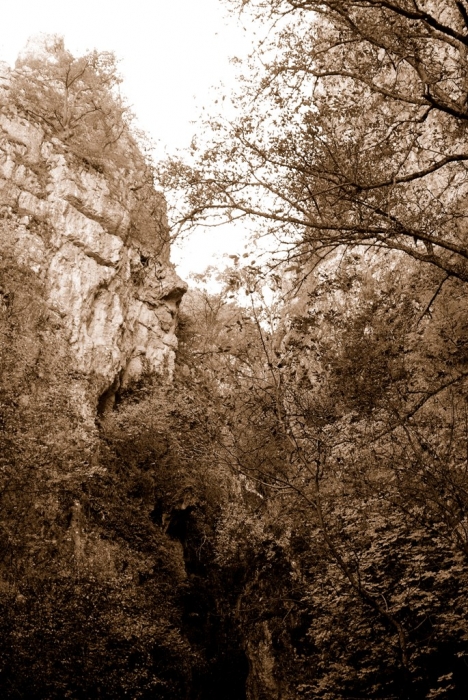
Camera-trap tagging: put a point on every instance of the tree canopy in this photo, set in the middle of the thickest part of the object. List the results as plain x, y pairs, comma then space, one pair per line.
350, 129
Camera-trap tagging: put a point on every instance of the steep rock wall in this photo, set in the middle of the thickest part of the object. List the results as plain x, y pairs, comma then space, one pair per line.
99, 248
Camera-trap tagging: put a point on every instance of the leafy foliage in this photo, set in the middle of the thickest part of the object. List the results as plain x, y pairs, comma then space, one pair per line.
348, 429
345, 548
349, 129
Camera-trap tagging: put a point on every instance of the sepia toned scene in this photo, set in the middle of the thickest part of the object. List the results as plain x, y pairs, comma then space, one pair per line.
234, 352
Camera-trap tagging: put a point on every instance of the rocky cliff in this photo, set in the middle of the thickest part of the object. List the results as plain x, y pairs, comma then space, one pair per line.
107, 527
88, 309
97, 241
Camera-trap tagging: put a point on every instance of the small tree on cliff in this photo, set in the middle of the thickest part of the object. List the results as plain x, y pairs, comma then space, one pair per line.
77, 99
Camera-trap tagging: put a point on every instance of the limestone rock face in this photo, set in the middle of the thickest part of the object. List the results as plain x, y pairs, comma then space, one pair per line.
99, 248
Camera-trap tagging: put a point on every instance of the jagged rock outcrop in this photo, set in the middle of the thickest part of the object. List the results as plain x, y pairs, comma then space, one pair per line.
98, 243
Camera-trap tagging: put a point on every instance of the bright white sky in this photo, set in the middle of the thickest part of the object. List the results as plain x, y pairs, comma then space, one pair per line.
171, 51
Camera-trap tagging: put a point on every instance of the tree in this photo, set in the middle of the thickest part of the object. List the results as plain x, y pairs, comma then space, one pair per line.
350, 130
355, 523
75, 99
